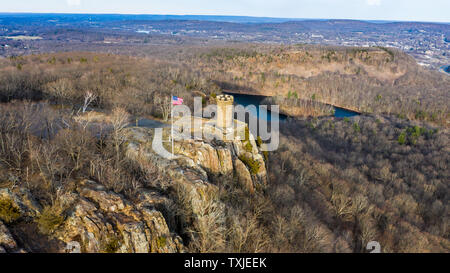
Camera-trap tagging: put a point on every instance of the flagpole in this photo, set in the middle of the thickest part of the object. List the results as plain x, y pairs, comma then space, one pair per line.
171, 114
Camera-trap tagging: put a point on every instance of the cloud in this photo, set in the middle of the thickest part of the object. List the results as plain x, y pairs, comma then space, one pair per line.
73, 3
373, 2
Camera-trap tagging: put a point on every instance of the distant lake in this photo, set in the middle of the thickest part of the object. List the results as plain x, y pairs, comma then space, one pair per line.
446, 68
246, 100
344, 113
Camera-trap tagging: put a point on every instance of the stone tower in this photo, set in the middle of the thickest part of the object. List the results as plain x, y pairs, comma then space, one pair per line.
225, 112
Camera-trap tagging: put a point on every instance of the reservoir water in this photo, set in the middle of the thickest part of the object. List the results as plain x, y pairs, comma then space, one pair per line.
246, 100
446, 68
344, 113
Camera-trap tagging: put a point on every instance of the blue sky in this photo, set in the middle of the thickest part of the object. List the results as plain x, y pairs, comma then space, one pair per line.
404, 10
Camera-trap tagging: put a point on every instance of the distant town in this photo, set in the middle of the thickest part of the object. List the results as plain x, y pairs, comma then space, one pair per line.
22, 34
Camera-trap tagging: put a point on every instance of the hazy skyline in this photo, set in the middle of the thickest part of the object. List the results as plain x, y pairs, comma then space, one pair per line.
401, 10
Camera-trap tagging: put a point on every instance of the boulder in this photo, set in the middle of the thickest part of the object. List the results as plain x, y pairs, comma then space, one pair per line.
243, 175
201, 153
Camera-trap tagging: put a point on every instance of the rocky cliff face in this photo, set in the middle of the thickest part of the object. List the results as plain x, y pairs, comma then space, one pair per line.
99, 220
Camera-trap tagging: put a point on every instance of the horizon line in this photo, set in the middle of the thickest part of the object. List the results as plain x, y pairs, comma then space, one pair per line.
237, 16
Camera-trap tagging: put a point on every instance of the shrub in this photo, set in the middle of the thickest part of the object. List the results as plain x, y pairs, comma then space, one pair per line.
52, 60
401, 116
162, 241
356, 127
259, 141
112, 245
416, 131
248, 147
402, 138
247, 134
292, 94
412, 134
8, 212
49, 220
421, 115
251, 163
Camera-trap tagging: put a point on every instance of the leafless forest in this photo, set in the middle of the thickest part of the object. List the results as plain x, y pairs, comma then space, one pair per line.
334, 184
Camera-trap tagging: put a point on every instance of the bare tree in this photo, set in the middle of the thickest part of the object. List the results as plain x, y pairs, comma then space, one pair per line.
119, 120
89, 98
164, 106
341, 205
61, 89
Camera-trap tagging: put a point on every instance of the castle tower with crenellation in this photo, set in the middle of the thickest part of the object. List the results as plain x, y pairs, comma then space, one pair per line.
225, 112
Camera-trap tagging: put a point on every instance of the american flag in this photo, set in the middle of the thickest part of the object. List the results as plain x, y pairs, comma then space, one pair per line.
177, 101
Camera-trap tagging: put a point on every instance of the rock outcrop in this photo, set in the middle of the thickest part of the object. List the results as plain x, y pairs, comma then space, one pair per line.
97, 220
243, 175
206, 158
199, 166
104, 221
